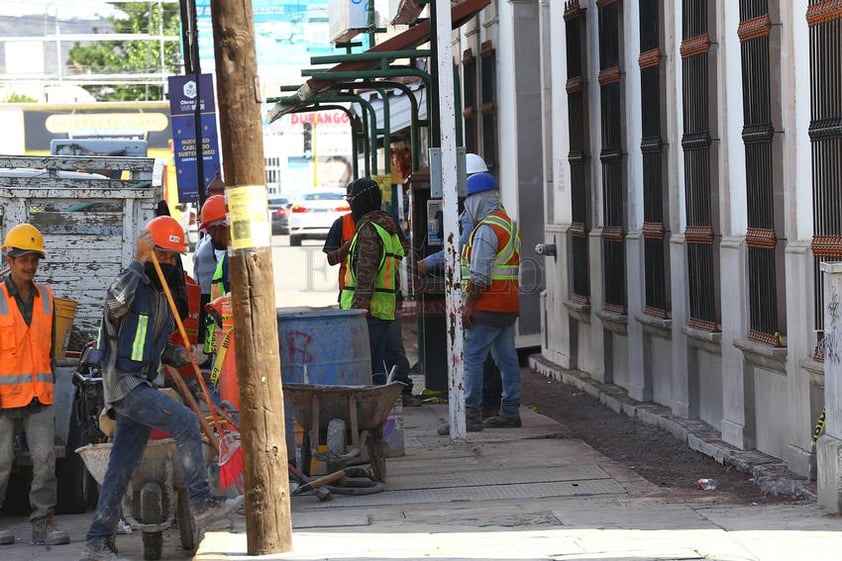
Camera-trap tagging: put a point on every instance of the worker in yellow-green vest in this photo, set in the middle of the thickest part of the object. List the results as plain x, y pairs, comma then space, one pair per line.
215, 223
372, 272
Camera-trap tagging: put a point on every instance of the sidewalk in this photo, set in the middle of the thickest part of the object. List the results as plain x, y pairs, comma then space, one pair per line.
531, 493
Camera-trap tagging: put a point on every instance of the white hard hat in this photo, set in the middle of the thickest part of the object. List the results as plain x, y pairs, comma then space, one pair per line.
474, 164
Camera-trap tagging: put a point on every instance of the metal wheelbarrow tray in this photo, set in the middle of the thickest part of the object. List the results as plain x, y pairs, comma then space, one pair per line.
157, 496
355, 411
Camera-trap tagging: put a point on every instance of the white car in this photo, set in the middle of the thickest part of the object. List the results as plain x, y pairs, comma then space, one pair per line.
312, 215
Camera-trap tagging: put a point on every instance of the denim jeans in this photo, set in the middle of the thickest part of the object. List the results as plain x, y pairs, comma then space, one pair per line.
40, 438
378, 332
395, 355
501, 340
143, 409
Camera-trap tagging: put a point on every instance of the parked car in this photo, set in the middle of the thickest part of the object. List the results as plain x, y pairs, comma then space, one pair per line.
312, 215
279, 214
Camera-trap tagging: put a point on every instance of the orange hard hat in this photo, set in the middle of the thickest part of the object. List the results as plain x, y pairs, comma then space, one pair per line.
213, 210
167, 234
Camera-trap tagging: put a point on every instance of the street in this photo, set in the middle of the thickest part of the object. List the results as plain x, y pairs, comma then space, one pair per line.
302, 275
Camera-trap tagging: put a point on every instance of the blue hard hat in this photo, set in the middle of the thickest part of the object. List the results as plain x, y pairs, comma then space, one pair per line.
479, 182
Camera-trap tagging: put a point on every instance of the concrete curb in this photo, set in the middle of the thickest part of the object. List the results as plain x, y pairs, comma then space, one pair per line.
770, 473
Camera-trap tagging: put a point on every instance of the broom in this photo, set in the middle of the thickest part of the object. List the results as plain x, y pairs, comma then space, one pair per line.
230, 452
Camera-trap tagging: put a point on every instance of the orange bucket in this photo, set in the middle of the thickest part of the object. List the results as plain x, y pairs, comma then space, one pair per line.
65, 312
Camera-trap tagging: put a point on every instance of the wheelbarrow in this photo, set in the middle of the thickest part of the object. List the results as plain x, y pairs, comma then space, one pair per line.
349, 417
157, 496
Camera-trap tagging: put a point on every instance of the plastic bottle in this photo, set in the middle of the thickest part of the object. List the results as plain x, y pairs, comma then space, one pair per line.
706, 484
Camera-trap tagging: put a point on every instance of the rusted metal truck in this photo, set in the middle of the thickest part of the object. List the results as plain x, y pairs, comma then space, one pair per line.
90, 210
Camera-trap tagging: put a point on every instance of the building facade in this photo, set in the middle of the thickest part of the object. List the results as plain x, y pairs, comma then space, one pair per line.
686, 158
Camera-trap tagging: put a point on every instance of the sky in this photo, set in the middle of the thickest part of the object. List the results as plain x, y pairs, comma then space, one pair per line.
65, 9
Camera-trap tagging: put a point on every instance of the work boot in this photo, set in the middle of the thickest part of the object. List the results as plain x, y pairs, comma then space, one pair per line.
6, 537
408, 399
101, 548
473, 419
502, 422
215, 508
46, 531
473, 422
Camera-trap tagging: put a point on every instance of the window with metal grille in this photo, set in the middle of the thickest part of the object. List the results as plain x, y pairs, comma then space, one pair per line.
488, 99
701, 197
611, 156
580, 189
762, 187
824, 20
469, 97
655, 202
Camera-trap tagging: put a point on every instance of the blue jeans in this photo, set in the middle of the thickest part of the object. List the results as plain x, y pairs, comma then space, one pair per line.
501, 340
143, 409
378, 332
395, 355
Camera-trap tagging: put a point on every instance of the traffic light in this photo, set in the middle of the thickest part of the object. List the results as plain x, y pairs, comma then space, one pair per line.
307, 133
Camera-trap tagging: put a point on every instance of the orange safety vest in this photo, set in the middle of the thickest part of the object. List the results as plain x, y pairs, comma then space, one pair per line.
349, 228
25, 368
504, 293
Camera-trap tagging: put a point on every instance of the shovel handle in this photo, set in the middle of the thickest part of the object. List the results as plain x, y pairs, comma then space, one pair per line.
194, 406
186, 340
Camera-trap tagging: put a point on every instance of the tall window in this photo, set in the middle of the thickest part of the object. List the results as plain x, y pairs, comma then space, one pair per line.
825, 22
700, 197
580, 189
469, 97
611, 156
655, 202
761, 186
488, 98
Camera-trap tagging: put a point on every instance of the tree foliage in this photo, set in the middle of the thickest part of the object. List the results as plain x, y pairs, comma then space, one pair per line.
134, 57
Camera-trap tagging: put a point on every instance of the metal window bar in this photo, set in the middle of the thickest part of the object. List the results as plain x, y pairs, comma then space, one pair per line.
761, 238
489, 107
700, 237
611, 157
825, 25
580, 189
469, 95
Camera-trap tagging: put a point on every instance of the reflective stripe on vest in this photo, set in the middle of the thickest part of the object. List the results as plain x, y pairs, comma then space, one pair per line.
25, 365
503, 294
140, 337
382, 303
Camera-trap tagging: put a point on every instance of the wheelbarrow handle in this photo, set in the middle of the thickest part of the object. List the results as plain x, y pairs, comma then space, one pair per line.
191, 402
316, 483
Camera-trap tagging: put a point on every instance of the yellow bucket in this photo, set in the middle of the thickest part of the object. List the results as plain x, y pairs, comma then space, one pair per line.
65, 311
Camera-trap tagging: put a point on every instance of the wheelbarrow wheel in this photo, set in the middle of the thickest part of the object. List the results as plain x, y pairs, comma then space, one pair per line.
377, 453
152, 512
336, 445
184, 519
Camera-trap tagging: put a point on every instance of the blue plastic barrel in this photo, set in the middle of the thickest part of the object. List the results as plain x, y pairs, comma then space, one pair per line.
327, 346
322, 347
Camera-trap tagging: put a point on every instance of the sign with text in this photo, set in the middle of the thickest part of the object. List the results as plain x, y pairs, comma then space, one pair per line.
185, 94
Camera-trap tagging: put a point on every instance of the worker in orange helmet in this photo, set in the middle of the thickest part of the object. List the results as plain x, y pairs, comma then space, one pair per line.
137, 324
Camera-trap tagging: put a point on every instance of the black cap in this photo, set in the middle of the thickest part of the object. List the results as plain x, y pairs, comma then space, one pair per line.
360, 185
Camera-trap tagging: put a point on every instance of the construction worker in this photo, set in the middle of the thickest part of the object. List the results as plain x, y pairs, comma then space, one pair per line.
490, 265
492, 385
27, 343
136, 327
215, 224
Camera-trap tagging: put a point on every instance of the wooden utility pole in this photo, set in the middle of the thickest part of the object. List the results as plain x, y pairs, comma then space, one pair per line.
268, 520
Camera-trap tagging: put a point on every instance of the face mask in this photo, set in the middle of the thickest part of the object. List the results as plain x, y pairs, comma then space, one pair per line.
170, 274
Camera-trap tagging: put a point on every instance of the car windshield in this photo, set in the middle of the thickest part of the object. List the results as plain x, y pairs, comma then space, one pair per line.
278, 202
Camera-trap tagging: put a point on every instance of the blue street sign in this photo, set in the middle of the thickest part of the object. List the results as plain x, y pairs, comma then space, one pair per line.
184, 94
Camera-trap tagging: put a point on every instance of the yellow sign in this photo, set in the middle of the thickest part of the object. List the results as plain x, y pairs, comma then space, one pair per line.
385, 183
248, 214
